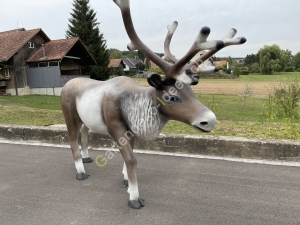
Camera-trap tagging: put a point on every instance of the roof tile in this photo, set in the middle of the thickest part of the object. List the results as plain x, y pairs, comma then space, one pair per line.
12, 41
54, 50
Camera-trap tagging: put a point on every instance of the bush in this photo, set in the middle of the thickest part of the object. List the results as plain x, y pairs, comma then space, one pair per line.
156, 70
287, 96
289, 69
228, 71
130, 73
244, 72
236, 71
298, 70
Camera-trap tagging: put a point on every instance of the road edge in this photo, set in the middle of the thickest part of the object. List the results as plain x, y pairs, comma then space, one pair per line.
222, 146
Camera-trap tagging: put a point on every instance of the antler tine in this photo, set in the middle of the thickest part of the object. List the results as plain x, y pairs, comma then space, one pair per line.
168, 55
199, 44
136, 43
228, 40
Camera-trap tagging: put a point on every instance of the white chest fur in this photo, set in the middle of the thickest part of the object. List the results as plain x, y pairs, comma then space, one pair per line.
141, 115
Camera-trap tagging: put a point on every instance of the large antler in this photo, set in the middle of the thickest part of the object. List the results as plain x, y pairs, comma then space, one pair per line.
174, 71
199, 65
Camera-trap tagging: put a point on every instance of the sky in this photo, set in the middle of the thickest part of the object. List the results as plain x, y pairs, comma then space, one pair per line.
261, 22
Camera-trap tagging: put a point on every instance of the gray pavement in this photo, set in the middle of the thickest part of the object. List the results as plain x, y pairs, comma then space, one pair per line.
38, 186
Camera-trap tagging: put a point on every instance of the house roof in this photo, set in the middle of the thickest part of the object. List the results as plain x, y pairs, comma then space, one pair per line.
12, 41
220, 63
131, 62
59, 49
116, 63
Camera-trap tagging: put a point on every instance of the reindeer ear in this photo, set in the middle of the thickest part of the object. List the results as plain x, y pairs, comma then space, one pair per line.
155, 81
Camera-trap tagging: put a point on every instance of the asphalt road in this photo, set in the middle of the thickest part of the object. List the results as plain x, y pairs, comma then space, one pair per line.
38, 186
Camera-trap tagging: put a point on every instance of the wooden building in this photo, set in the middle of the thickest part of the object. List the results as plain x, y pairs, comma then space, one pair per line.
33, 64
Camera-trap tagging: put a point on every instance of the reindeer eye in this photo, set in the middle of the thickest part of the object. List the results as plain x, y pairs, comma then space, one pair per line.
173, 99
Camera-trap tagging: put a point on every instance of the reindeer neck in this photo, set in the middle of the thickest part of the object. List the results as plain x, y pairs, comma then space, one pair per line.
139, 110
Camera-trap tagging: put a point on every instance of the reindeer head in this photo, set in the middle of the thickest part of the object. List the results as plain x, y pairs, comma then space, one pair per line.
173, 93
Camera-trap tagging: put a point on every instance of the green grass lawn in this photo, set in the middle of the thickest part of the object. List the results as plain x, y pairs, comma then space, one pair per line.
30, 110
234, 117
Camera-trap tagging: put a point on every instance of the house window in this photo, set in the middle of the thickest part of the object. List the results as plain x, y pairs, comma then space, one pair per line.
43, 64
31, 44
53, 63
32, 65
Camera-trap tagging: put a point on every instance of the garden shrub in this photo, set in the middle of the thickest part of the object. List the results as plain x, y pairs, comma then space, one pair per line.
244, 72
287, 96
130, 73
289, 69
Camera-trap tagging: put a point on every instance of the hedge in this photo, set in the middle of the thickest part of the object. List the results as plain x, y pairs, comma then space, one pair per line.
130, 73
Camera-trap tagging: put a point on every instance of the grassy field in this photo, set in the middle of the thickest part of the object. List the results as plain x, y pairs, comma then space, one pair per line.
234, 117
260, 85
251, 78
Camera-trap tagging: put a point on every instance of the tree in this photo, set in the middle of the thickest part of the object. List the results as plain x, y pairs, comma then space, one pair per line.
296, 61
230, 61
141, 56
115, 54
285, 59
268, 56
250, 59
118, 71
83, 24
140, 66
147, 63
254, 68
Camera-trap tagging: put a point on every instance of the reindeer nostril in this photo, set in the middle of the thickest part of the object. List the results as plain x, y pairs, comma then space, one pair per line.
203, 123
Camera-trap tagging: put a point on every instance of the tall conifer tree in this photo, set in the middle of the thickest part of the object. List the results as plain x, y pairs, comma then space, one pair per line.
83, 24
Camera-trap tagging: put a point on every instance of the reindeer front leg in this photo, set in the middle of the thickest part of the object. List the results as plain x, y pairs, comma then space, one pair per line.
129, 170
117, 130
124, 171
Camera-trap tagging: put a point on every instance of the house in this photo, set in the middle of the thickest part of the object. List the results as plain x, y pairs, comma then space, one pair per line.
150, 64
117, 67
34, 64
115, 63
220, 63
131, 63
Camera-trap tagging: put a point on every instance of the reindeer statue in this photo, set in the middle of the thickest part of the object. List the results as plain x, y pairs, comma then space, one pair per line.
125, 110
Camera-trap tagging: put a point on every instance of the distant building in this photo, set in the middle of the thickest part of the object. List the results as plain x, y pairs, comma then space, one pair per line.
220, 63
115, 63
131, 63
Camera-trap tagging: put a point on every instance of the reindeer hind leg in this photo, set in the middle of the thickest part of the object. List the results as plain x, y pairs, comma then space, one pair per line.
73, 134
84, 145
74, 124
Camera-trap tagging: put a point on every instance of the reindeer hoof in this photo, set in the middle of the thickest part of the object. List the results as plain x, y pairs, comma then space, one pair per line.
137, 204
87, 160
81, 176
125, 183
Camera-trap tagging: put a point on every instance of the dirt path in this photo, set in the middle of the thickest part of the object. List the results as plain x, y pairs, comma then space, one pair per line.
228, 87
234, 88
